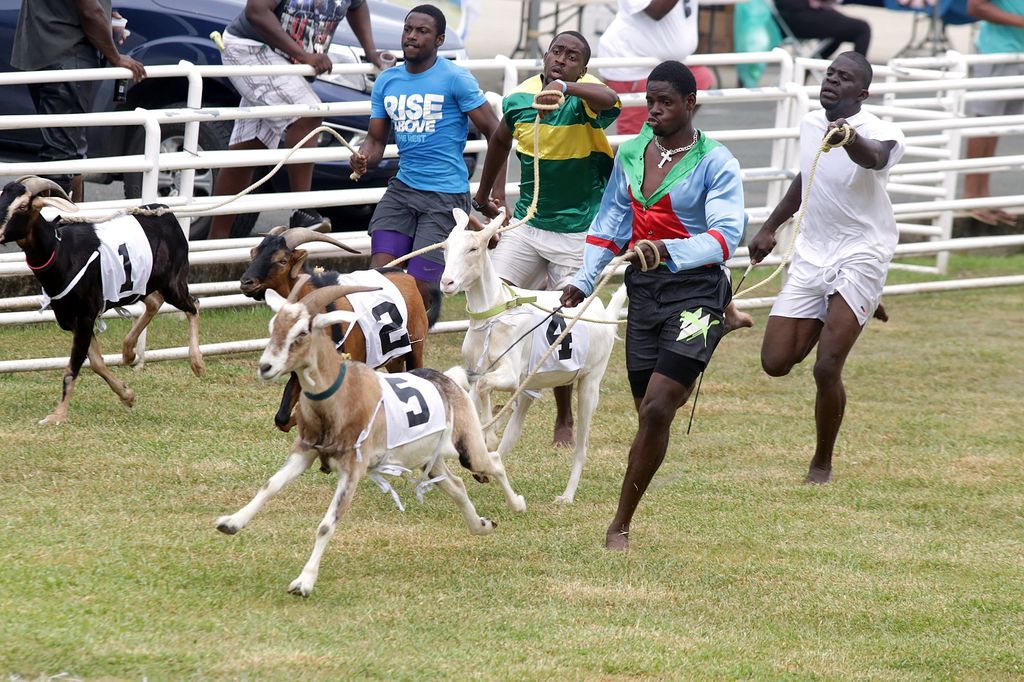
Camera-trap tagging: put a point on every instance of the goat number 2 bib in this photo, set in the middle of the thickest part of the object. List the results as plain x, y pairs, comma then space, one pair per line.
382, 316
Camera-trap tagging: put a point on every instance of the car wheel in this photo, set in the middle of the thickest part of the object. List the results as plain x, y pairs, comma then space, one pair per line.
212, 136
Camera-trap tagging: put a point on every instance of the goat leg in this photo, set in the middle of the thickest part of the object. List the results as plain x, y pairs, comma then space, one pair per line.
98, 366
453, 486
348, 480
298, 461
83, 335
152, 303
284, 419
195, 358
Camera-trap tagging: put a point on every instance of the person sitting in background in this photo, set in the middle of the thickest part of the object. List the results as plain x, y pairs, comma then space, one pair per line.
57, 34
663, 29
1002, 30
821, 19
271, 33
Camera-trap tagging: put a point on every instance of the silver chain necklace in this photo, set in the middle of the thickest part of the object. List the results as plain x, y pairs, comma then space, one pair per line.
667, 154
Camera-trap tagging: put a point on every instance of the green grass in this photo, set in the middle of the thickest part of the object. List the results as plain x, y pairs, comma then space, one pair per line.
910, 566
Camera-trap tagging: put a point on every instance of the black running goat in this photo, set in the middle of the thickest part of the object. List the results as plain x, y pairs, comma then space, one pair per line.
83, 273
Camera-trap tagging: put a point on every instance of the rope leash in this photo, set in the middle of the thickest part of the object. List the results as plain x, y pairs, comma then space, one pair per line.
198, 208
609, 271
532, 209
849, 133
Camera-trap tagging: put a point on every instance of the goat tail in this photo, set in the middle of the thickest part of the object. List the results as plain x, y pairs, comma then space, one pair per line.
459, 376
434, 311
616, 304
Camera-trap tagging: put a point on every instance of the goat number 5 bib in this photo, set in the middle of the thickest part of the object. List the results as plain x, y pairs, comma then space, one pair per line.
413, 408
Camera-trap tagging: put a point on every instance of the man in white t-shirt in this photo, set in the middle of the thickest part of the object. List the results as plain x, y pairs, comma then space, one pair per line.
847, 239
663, 29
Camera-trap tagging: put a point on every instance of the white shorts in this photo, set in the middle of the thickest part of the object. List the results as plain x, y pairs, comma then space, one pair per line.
530, 258
263, 91
808, 287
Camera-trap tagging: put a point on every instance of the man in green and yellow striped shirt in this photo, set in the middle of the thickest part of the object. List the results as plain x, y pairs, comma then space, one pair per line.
575, 162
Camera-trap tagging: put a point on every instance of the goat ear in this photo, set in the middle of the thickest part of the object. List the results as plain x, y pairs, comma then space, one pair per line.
274, 299
334, 317
298, 259
461, 218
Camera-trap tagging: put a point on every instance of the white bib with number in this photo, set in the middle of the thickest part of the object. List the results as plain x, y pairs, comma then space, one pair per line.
383, 316
413, 407
126, 259
571, 353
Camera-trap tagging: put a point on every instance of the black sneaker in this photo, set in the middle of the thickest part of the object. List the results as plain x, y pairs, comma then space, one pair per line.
310, 218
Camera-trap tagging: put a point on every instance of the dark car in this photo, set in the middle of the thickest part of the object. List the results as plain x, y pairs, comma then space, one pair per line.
166, 32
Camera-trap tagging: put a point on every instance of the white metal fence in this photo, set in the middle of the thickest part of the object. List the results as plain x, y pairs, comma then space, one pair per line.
925, 97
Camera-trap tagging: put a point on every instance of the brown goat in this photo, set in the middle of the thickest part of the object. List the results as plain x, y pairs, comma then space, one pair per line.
277, 263
345, 422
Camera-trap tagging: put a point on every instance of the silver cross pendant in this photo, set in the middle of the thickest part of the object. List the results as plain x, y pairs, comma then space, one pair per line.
665, 158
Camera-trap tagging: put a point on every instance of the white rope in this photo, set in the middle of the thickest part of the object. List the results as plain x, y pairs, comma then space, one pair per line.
200, 208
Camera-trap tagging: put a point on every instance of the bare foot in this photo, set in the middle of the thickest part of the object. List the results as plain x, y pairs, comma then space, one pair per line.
818, 476
564, 437
880, 313
736, 319
993, 216
616, 540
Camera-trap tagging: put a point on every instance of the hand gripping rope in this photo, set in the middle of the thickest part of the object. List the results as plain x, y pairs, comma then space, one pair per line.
849, 133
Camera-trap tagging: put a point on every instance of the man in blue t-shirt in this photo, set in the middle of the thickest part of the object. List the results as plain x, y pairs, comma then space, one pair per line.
428, 102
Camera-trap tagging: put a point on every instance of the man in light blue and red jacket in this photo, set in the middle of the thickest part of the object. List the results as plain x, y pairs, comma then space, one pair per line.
675, 195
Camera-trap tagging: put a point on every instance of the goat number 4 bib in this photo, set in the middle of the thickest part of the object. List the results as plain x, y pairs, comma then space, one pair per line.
571, 353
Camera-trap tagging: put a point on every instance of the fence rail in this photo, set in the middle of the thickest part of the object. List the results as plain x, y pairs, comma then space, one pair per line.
924, 96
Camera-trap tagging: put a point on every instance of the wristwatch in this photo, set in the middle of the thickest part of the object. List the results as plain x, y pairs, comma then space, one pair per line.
565, 86
477, 206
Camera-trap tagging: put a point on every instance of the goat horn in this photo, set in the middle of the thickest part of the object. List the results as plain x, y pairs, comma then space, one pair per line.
57, 203
318, 300
37, 185
293, 295
300, 235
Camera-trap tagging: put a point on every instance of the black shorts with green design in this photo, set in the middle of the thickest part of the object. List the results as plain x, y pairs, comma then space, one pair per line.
674, 314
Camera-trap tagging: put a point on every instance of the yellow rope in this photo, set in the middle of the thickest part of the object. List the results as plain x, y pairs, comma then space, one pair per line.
848, 134
532, 209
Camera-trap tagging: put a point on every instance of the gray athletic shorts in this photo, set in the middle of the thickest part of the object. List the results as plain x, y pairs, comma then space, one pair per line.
996, 107
424, 216
263, 91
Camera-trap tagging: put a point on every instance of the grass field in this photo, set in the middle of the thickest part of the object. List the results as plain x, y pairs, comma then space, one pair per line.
910, 566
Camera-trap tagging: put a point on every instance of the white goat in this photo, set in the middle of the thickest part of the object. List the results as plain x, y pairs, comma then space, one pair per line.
338, 422
588, 346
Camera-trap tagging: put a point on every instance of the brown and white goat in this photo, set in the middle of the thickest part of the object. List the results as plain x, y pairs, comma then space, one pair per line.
277, 264
339, 425
498, 349
66, 261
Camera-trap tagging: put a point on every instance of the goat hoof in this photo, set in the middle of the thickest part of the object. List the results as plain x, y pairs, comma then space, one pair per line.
299, 588
224, 525
128, 398
564, 499
518, 505
199, 369
284, 426
481, 478
53, 419
128, 357
486, 527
